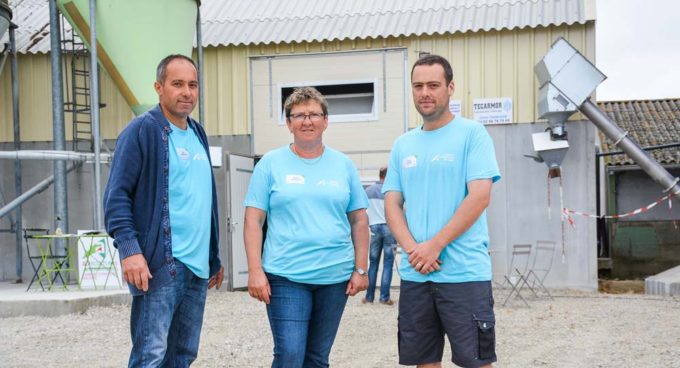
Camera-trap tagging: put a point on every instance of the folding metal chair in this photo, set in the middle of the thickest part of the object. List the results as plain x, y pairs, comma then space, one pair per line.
540, 268
39, 261
517, 273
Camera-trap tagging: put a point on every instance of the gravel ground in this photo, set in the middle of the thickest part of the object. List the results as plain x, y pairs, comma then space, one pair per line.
572, 330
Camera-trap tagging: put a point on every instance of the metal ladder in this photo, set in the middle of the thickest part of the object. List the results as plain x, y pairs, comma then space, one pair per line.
76, 59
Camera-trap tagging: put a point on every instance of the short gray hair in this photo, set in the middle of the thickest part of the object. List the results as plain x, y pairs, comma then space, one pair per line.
303, 94
162, 68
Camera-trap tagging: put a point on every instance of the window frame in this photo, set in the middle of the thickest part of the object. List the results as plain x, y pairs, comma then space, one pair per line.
337, 118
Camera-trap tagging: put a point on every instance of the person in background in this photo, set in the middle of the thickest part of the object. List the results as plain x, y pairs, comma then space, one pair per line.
316, 248
160, 206
443, 172
382, 241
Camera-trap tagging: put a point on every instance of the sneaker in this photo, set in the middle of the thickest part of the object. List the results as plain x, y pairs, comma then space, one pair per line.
364, 301
387, 302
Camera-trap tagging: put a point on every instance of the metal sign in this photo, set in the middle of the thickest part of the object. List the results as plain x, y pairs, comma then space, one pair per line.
491, 111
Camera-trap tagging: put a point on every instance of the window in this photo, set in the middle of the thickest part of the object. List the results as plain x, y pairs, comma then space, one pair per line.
347, 101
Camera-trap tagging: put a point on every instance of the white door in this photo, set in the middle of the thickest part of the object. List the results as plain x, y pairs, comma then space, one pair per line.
239, 171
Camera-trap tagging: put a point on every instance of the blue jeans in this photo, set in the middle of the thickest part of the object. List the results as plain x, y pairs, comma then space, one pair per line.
381, 241
304, 320
166, 323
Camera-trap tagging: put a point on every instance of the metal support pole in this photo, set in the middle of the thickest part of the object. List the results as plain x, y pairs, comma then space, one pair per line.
38, 188
94, 110
199, 52
642, 158
3, 56
52, 155
58, 135
18, 223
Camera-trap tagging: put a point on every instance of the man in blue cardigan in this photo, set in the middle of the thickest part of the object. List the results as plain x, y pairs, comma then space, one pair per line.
160, 207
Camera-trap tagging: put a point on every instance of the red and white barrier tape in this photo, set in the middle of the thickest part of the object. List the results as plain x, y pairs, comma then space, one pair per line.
566, 211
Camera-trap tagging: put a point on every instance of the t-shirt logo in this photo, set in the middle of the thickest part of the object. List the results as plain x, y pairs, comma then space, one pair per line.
448, 157
200, 157
332, 183
295, 179
410, 161
182, 153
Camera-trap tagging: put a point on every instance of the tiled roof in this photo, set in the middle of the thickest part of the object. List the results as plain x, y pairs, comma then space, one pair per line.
235, 22
648, 123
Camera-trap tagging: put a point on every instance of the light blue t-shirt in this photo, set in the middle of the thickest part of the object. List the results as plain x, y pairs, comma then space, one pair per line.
431, 169
190, 202
376, 201
307, 201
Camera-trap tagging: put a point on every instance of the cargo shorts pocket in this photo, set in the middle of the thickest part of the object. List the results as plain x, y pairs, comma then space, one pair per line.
486, 338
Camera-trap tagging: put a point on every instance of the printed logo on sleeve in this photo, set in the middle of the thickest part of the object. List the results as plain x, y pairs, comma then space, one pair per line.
295, 179
410, 161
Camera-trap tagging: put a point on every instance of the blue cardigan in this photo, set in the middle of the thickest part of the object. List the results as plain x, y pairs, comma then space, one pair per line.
136, 209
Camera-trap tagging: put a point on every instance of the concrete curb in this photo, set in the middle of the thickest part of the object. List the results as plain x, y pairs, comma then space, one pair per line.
15, 301
53, 308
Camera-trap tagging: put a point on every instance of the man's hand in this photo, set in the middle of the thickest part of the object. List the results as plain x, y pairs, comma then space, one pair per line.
136, 271
424, 258
258, 285
216, 280
356, 284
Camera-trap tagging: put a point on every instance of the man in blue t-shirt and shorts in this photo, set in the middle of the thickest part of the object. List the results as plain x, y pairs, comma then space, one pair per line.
437, 188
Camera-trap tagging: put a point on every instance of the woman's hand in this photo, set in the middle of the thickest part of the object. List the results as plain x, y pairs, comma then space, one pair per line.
258, 285
356, 284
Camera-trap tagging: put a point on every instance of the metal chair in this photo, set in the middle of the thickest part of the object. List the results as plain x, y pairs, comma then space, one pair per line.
541, 266
517, 273
39, 261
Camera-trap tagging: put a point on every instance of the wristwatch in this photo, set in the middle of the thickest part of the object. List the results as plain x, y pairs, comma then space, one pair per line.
361, 271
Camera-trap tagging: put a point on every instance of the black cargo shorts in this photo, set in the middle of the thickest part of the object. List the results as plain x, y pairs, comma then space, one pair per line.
461, 311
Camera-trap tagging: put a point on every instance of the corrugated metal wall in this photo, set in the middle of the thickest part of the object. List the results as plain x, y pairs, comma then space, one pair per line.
226, 91
35, 98
486, 64
35, 93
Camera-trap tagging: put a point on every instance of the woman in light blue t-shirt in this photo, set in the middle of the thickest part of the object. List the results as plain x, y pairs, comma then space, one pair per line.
316, 248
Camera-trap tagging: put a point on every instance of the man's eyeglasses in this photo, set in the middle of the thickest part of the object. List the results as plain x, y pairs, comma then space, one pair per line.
299, 118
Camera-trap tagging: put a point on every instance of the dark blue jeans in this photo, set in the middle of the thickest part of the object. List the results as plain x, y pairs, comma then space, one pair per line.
166, 324
304, 320
381, 241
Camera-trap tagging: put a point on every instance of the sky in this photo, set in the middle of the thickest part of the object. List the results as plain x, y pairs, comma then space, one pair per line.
638, 49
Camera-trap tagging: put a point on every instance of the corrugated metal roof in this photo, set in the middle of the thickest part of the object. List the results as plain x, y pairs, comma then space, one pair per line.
234, 22
649, 123
33, 20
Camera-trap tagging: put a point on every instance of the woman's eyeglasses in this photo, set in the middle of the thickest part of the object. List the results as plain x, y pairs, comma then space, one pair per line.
314, 117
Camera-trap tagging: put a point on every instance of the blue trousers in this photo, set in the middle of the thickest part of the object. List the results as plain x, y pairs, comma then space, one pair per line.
304, 320
166, 324
382, 241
